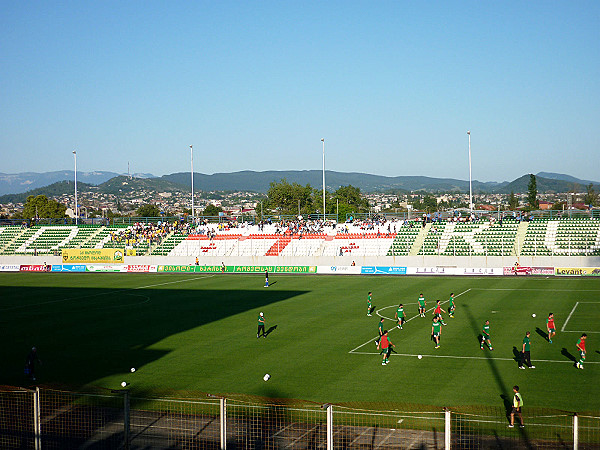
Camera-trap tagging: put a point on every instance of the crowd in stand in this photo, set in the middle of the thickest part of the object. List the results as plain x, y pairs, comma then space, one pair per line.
142, 234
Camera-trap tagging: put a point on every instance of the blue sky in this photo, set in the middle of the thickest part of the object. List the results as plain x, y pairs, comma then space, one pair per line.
391, 86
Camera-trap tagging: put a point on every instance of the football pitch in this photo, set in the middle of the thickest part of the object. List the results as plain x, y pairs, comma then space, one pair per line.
197, 334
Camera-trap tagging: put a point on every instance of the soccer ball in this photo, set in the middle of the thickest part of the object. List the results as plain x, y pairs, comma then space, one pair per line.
132, 369
420, 356
533, 315
266, 377
123, 384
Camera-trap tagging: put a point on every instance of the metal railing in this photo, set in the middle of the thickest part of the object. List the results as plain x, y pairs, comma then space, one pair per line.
58, 419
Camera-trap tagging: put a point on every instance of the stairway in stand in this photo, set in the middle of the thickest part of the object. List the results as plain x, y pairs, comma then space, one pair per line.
278, 246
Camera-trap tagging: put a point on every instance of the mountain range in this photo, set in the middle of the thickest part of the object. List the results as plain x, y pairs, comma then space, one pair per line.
24, 184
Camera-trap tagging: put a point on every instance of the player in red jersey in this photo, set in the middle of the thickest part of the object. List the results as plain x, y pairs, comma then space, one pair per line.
550, 327
438, 312
386, 347
581, 348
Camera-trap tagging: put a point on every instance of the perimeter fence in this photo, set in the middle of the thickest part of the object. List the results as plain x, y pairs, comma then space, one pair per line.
57, 419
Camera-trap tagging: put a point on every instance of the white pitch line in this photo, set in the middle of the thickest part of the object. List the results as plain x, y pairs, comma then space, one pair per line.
406, 321
568, 317
539, 290
100, 294
474, 357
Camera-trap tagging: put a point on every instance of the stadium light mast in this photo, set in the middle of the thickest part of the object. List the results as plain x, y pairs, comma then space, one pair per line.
76, 206
323, 141
192, 172
470, 183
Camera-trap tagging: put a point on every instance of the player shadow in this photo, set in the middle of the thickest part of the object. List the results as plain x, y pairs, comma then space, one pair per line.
518, 356
270, 330
568, 355
542, 333
504, 390
272, 283
372, 309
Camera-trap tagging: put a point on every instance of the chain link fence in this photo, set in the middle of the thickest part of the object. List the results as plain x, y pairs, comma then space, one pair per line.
58, 419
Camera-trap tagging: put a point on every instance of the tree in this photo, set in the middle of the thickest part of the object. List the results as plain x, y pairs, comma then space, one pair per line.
212, 210
42, 207
288, 198
148, 210
590, 197
513, 201
532, 193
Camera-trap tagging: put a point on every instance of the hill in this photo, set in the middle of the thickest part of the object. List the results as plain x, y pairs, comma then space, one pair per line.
123, 184
52, 190
544, 185
564, 177
27, 181
259, 181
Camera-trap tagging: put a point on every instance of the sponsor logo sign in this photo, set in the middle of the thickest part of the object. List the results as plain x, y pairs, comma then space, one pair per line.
383, 270
10, 267
105, 268
93, 255
139, 268
68, 268
236, 269
34, 268
479, 271
577, 271
176, 269
518, 270
339, 270
542, 271
430, 271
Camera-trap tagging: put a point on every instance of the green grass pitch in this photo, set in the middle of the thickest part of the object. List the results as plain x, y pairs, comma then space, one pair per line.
198, 333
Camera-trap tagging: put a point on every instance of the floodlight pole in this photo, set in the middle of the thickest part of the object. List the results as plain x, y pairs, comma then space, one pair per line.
470, 182
192, 172
323, 141
76, 206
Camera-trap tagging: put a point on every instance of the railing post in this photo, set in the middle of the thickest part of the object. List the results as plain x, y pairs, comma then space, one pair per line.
575, 431
329, 427
223, 422
37, 423
447, 428
126, 419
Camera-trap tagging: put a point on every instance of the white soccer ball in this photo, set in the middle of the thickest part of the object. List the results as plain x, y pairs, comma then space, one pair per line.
266, 377
420, 356
132, 369
124, 383
533, 315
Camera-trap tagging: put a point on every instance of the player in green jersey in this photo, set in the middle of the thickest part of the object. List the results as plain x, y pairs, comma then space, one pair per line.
369, 303
436, 331
451, 306
422, 304
261, 326
485, 335
400, 316
526, 355
380, 333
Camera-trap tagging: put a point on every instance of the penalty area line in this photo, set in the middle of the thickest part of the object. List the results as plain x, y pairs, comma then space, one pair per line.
483, 358
569, 317
406, 321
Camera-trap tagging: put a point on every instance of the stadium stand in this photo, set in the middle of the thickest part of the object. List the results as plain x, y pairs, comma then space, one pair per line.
509, 237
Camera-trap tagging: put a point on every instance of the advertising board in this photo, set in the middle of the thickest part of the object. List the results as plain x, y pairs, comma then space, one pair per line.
105, 268
339, 270
141, 268
577, 271
477, 271
68, 268
35, 268
93, 255
383, 270
10, 267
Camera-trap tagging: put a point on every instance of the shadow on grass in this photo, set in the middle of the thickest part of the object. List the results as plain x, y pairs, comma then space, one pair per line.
542, 333
517, 356
84, 334
504, 390
568, 355
270, 330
